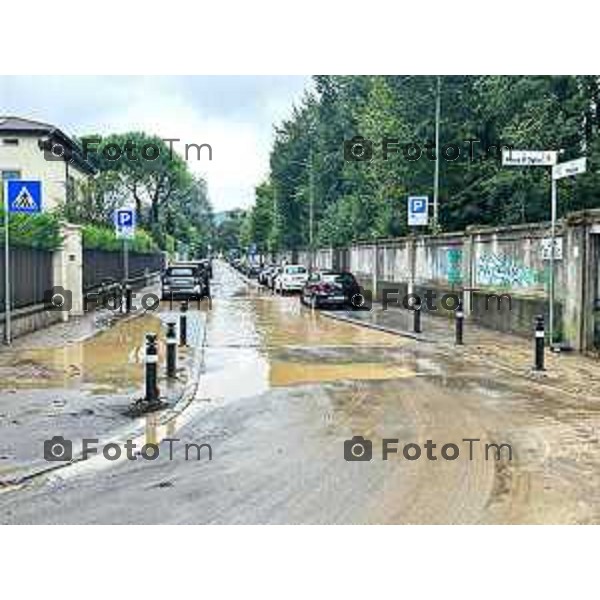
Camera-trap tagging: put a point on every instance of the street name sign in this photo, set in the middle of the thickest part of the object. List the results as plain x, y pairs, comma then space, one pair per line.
418, 210
570, 168
528, 158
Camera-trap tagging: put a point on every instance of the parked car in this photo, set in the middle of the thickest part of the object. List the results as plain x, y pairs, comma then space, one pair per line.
292, 278
272, 277
264, 274
329, 288
182, 281
252, 271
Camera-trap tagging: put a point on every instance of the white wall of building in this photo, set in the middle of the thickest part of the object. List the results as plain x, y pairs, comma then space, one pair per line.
28, 159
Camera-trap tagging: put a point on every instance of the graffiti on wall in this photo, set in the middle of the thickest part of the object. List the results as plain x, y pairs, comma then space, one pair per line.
503, 271
454, 266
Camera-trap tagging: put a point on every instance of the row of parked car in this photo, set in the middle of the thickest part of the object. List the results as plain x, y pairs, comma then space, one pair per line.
317, 288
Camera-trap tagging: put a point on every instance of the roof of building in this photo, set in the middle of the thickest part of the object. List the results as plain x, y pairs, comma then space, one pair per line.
19, 125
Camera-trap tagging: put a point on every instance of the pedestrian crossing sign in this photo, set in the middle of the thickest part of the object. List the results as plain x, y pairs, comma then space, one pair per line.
24, 196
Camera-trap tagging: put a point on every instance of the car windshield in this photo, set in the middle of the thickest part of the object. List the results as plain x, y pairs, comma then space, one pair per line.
181, 272
295, 270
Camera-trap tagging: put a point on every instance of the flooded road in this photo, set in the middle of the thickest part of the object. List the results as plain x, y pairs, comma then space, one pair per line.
283, 388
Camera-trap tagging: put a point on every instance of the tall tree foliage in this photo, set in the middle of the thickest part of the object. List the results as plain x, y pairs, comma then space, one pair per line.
170, 201
367, 199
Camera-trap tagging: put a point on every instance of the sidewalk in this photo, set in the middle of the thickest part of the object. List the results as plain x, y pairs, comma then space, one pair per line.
77, 379
571, 373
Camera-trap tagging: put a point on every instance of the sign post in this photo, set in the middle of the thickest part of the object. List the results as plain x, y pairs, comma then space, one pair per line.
125, 229
539, 158
418, 216
20, 196
418, 210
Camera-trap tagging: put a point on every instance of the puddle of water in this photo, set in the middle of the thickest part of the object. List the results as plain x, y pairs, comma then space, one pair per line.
112, 359
289, 373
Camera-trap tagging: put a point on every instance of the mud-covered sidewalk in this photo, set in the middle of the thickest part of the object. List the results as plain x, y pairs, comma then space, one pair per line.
573, 374
77, 380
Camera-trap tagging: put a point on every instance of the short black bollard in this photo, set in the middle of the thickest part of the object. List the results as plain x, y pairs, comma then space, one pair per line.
171, 350
183, 324
101, 295
460, 317
539, 343
128, 296
417, 318
151, 369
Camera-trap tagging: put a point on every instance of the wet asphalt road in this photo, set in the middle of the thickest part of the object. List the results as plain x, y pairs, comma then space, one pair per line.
283, 388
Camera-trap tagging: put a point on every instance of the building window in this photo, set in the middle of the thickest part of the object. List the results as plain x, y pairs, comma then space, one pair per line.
6, 175
10, 142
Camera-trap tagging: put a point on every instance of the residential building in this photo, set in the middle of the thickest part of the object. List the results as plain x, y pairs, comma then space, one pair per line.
35, 150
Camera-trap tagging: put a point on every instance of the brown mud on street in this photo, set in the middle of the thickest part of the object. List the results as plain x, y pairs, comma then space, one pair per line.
113, 359
283, 388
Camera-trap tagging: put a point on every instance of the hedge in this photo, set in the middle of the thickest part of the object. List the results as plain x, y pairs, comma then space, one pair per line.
104, 238
41, 231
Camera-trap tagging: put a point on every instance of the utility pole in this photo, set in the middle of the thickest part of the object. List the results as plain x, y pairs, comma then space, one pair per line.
274, 223
552, 252
7, 291
436, 175
311, 210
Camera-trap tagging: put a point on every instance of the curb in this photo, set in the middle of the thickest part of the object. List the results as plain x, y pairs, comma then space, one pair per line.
406, 334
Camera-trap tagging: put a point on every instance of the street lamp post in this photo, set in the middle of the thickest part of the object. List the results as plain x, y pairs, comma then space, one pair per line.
311, 209
436, 173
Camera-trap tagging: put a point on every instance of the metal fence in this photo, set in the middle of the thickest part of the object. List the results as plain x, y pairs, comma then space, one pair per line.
30, 276
100, 266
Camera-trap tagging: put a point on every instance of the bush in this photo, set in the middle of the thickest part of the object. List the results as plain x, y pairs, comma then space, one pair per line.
40, 231
104, 238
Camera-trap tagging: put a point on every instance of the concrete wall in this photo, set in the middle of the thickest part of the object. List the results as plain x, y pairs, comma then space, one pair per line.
67, 267
480, 262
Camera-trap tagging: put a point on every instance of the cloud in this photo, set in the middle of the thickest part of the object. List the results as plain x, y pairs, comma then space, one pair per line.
235, 115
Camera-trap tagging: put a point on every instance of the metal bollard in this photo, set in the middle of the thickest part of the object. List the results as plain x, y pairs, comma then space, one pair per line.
460, 317
151, 368
171, 350
417, 318
128, 297
101, 296
539, 343
183, 324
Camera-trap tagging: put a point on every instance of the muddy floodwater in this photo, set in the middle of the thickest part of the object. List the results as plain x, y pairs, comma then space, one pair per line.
283, 392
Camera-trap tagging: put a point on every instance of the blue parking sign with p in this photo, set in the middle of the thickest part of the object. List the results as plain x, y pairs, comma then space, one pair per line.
418, 212
125, 222
24, 196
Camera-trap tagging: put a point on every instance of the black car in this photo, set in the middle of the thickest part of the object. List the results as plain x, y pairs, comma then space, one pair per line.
330, 288
182, 281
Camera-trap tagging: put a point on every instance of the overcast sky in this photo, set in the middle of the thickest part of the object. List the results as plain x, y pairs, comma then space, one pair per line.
235, 115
